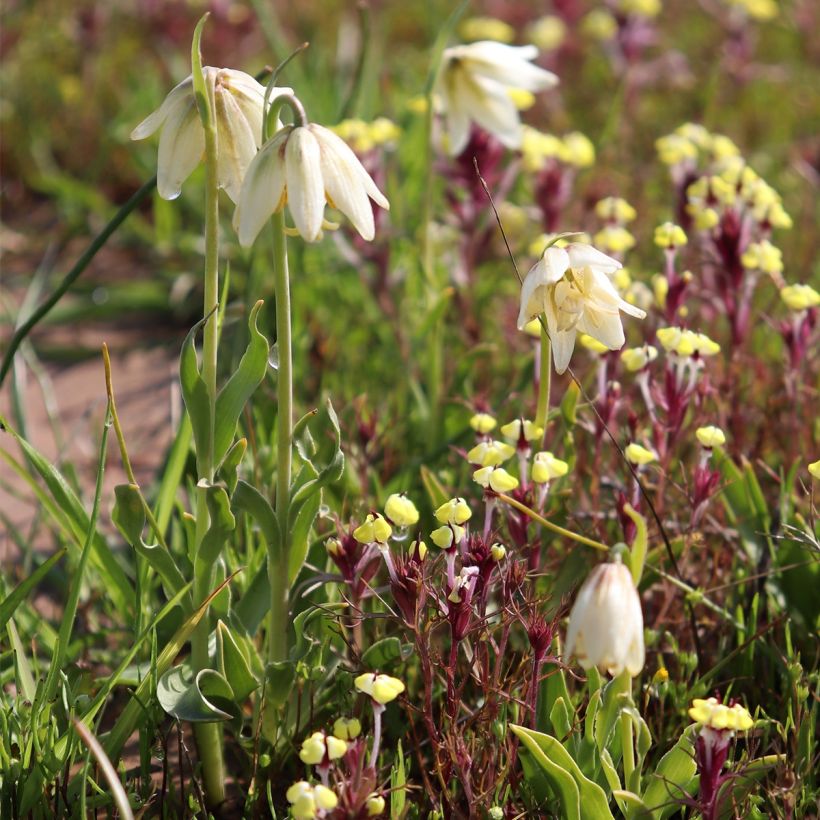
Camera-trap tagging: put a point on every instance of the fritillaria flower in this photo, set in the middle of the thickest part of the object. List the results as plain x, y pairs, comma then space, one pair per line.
306, 167
238, 101
474, 85
606, 622
572, 287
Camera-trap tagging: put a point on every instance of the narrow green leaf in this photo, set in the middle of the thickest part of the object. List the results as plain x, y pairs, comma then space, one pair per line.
240, 387
165, 565
249, 500
300, 535
195, 395
673, 779
398, 783
221, 526
128, 514
22, 667
232, 663
10, 603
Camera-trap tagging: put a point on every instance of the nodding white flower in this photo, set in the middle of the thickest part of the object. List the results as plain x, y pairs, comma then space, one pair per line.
306, 166
474, 84
606, 622
238, 102
572, 287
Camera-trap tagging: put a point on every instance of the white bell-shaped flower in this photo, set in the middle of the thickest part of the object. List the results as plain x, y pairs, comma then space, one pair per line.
238, 102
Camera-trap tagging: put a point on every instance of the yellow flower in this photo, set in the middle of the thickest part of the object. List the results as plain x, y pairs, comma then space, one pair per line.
490, 453
306, 166
645, 8
537, 148
547, 32
486, 28
454, 511
592, 344
800, 297
710, 436
660, 287
382, 688
347, 728
599, 24
444, 536
375, 805
314, 748
498, 552
669, 235
814, 469
418, 548
305, 799
238, 100
401, 510
674, 149
496, 479
614, 239
374, 530
546, 467
522, 99
763, 256
579, 151
761, 10
638, 455
719, 716
686, 342
615, 209
705, 218
637, 358
606, 622
482, 423
333, 546
513, 430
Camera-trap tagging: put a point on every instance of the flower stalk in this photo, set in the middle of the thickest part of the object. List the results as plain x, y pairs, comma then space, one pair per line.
544, 382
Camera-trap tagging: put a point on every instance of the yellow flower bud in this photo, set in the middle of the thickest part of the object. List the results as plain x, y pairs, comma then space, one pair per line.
615, 209
637, 358
443, 537
705, 218
814, 469
333, 546
482, 423
325, 797
674, 149
486, 28
382, 688
614, 239
599, 24
313, 749
401, 510
384, 131
496, 479
374, 530
347, 728
722, 147
763, 256
454, 511
719, 716
375, 805
547, 33
710, 436
419, 548
669, 235
302, 799
490, 453
800, 297
697, 134
580, 152
638, 455
521, 98
546, 467
498, 552
644, 8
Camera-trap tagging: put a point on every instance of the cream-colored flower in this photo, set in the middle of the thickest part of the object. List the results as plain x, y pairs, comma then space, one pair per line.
401, 510
496, 479
382, 688
800, 297
572, 287
637, 358
318, 745
445, 536
517, 428
638, 455
814, 469
715, 715
606, 622
710, 436
454, 511
482, 423
374, 529
238, 101
346, 728
306, 166
473, 86
490, 453
546, 467
306, 799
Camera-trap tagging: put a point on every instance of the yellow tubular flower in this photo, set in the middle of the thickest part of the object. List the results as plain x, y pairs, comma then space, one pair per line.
716, 715
401, 510
710, 436
382, 688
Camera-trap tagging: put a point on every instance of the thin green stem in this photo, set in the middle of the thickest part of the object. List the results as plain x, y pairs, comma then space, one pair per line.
544, 383
581, 539
627, 740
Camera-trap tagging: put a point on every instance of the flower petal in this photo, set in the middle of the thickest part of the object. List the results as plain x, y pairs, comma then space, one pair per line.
181, 145
306, 191
563, 343
176, 98
236, 142
582, 256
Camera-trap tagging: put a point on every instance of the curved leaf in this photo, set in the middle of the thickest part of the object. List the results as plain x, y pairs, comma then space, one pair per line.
194, 699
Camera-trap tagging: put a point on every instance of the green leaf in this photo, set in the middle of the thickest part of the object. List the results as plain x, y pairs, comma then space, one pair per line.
280, 676
382, 654
164, 564
559, 718
128, 514
737, 789
229, 469
435, 489
255, 603
199, 699
398, 782
240, 387
558, 764
10, 603
195, 396
246, 498
22, 667
222, 524
674, 778
232, 663
300, 535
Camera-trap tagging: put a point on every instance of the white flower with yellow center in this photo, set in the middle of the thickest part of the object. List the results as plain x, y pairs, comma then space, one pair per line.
606, 622
306, 167
572, 287
473, 85
238, 100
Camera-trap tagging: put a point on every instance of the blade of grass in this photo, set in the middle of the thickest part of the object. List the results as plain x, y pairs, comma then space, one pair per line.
22, 590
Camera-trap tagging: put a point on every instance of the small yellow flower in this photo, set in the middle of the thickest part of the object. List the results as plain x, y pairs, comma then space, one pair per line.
533, 328
580, 152
615, 209
800, 297
722, 147
696, 133
661, 676
374, 530
512, 431
546, 467
486, 28
418, 548
645, 8
496, 479
401, 510
537, 148
675, 149
761, 10
445, 536
522, 99
498, 552
347, 728
382, 688
763, 256
305, 799
710, 436
660, 287
482, 423
686, 342
669, 235
614, 239
314, 748
490, 453
547, 32
637, 358
638, 455
719, 716
454, 511
705, 218
375, 805
814, 469
592, 344
599, 24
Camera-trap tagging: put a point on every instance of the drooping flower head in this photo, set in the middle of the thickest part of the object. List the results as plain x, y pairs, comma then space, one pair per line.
474, 85
238, 102
606, 622
572, 287
306, 167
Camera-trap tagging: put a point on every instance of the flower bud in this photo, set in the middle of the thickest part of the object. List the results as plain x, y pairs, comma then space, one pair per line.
496, 479
374, 530
454, 511
710, 436
482, 423
546, 467
375, 805
401, 510
382, 688
638, 455
347, 728
498, 552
